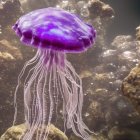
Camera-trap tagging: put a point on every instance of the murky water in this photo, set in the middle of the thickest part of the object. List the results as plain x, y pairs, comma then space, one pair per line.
107, 109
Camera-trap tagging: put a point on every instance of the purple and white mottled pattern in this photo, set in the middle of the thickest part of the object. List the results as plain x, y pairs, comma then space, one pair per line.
55, 29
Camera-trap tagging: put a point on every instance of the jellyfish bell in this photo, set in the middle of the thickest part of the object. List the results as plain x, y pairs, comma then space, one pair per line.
54, 32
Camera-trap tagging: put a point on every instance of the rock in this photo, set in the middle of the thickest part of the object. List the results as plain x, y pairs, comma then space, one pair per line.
93, 137
99, 8
131, 87
120, 40
30, 5
138, 33
16, 132
123, 52
124, 43
95, 115
123, 134
100, 68
9, 52
99, 137
9, 55
104, 102
10, 58
100, 16
9, 11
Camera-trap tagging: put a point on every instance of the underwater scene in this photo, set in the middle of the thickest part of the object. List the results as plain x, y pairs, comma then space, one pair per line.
69, 70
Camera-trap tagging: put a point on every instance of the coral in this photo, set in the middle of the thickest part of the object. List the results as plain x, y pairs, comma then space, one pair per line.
131, 87
120, 134
101, 9
16, 133
102, 69
102, 86
9, 52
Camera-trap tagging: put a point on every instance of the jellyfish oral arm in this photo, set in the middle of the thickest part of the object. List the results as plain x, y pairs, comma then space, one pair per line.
51, 75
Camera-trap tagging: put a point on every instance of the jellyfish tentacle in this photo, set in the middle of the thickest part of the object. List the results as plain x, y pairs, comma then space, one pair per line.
43, 116
68, 120
27, 100
56, 91
62, 94
45, 108
73, 100
40, 105
27, 63
81, 127
40, 112
27, 90
46, 79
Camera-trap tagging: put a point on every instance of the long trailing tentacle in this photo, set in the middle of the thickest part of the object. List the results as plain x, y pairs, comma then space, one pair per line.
28, 63
51, 76
72, 94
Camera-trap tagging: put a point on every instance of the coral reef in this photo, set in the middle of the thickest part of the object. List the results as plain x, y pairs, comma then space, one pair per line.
122, 134
102, 87
106, 109
131, 87
16, 132
101, 23
98, 8
10, 57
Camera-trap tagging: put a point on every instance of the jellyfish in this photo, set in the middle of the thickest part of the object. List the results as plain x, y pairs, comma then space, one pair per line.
54, 32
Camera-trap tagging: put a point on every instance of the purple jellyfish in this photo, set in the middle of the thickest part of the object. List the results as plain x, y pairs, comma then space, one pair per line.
54, 32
